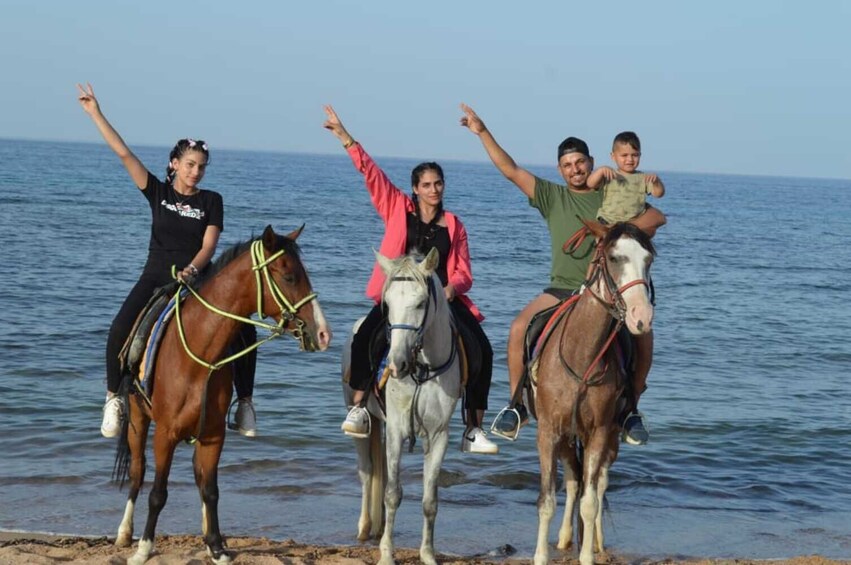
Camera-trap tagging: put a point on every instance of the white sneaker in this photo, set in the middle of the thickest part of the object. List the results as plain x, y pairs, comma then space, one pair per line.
356, 423
246, 418
476, 441
113, 417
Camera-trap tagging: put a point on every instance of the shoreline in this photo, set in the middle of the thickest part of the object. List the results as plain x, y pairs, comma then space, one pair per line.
19, 548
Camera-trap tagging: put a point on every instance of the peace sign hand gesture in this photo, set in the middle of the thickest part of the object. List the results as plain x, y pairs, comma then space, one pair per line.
334, 124
88, 101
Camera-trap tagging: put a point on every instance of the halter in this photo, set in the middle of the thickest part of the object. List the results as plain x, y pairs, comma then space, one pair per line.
615, 305
424, 371
260, 264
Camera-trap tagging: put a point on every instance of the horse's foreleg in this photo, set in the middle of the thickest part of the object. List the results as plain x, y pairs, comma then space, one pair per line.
546, 497
570, 464
393, 491
431, 472
206, 464
602, 485
365, 475
137, 436
163, 456
589, 505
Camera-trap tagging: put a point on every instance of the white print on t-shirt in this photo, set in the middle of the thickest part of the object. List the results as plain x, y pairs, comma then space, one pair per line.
184, 210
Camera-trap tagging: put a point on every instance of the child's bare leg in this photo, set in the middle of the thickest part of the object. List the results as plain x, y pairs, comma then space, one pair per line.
650, 220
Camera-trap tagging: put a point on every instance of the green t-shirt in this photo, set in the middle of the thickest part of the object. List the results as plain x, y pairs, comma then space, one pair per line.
560, 207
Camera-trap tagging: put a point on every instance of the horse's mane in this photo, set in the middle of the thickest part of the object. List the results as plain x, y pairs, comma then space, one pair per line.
231, 253
623, 229
405, 267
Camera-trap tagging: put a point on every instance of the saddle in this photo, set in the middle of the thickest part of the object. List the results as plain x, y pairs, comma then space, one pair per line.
140, 348
540, 329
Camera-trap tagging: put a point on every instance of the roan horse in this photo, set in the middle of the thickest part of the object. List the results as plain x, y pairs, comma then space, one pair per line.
579, 383
193, 381
421, 394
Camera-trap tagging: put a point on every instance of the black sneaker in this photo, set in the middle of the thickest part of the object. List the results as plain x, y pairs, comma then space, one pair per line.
634, 430
508, 422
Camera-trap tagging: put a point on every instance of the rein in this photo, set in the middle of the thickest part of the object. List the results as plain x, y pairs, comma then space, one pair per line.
260, 264
424, 372
615, 306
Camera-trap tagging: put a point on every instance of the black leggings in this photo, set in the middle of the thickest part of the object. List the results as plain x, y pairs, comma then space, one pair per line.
119, 331
478, 386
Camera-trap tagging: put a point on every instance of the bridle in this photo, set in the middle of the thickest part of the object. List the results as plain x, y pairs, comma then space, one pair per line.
288, 316
422, 372
614, 303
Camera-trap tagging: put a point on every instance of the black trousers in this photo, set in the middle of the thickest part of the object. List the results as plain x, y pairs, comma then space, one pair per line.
152, 278
478, 385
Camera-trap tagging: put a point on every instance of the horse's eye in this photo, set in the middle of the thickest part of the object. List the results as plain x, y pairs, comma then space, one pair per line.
613, 259
289, 279
420, 305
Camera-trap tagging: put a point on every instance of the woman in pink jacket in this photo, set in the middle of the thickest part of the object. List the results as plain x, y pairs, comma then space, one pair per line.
417, 223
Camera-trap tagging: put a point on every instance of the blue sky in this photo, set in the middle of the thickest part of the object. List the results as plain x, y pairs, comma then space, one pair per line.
729, 86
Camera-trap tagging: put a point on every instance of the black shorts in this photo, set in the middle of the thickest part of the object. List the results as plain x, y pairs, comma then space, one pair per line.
559, 293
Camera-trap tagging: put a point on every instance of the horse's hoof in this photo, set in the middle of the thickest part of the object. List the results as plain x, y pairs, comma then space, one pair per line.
144, 551
124, 539
219, 557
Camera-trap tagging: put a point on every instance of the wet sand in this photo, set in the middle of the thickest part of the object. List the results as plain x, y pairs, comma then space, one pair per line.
18, 548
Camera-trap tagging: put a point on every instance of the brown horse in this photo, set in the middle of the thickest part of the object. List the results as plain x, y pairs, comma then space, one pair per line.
193, 380
579, 382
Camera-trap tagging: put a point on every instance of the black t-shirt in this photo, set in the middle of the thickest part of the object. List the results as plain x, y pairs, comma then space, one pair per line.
423, 237
178, 222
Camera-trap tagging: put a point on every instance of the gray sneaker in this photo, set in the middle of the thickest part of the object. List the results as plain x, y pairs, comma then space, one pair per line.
356, 423
634, 430
246, 418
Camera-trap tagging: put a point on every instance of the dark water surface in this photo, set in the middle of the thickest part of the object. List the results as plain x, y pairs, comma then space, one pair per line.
748, 398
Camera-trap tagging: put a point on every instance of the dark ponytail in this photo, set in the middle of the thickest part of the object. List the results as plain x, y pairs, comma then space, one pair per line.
179, 149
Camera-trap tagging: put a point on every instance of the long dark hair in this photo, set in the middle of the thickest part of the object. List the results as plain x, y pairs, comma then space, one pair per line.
180, 148
421, 229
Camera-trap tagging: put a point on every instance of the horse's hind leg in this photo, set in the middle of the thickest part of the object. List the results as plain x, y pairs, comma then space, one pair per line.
572, 476
546, 497
206, 464
431, 472
137, 437
163, 456
393, 490
365, 474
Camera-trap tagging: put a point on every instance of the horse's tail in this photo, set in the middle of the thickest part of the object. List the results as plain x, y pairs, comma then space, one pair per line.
121, 467
379, 477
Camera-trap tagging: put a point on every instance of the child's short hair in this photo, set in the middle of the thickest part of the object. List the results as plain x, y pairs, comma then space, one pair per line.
627, 138
572, 145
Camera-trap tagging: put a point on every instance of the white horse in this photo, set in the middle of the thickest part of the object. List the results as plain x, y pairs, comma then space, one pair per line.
421, 394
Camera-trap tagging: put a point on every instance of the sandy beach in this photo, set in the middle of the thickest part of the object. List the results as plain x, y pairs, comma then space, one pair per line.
18, 548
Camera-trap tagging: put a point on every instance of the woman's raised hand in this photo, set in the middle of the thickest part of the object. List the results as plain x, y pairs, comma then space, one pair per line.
87, 100
334, 124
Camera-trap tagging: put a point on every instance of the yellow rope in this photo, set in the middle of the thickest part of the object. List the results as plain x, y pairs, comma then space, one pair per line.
288, 310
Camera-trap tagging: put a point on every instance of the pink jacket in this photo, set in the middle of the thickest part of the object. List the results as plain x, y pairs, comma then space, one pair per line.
393, 206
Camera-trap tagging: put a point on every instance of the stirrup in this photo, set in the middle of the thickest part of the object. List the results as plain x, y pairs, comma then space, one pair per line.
232, 425
506, 435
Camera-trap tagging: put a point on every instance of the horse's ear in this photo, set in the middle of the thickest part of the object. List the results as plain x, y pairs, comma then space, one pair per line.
385, 263
599, 230
429, 264
270, 239
293, 235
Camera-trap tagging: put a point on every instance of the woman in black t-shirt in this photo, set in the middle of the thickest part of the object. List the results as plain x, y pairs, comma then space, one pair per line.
185, 225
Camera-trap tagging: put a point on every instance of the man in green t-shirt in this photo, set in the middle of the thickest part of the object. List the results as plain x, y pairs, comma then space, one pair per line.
561, 206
